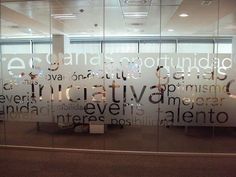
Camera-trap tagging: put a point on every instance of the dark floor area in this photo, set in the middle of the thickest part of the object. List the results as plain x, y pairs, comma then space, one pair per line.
36, 163
50, 163
129, 138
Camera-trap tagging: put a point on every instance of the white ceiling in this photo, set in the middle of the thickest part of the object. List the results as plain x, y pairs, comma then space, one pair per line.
24, 18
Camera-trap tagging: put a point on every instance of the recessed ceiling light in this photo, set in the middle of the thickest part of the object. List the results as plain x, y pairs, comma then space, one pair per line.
170, 30
183, 15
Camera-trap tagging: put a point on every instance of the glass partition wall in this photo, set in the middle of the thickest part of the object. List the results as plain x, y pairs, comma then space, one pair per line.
128, 75
24, 71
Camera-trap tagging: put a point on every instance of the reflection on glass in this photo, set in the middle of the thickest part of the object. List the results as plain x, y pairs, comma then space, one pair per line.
159, 72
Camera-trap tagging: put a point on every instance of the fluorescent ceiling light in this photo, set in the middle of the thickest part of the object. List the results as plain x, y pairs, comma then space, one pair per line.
136, 30
53, 15
63, 16
171, 30
206, 2
135, 1
135, 14
183, 15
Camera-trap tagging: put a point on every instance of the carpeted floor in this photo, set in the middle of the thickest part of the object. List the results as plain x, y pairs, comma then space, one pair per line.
135, 138
43, 163
36, 163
